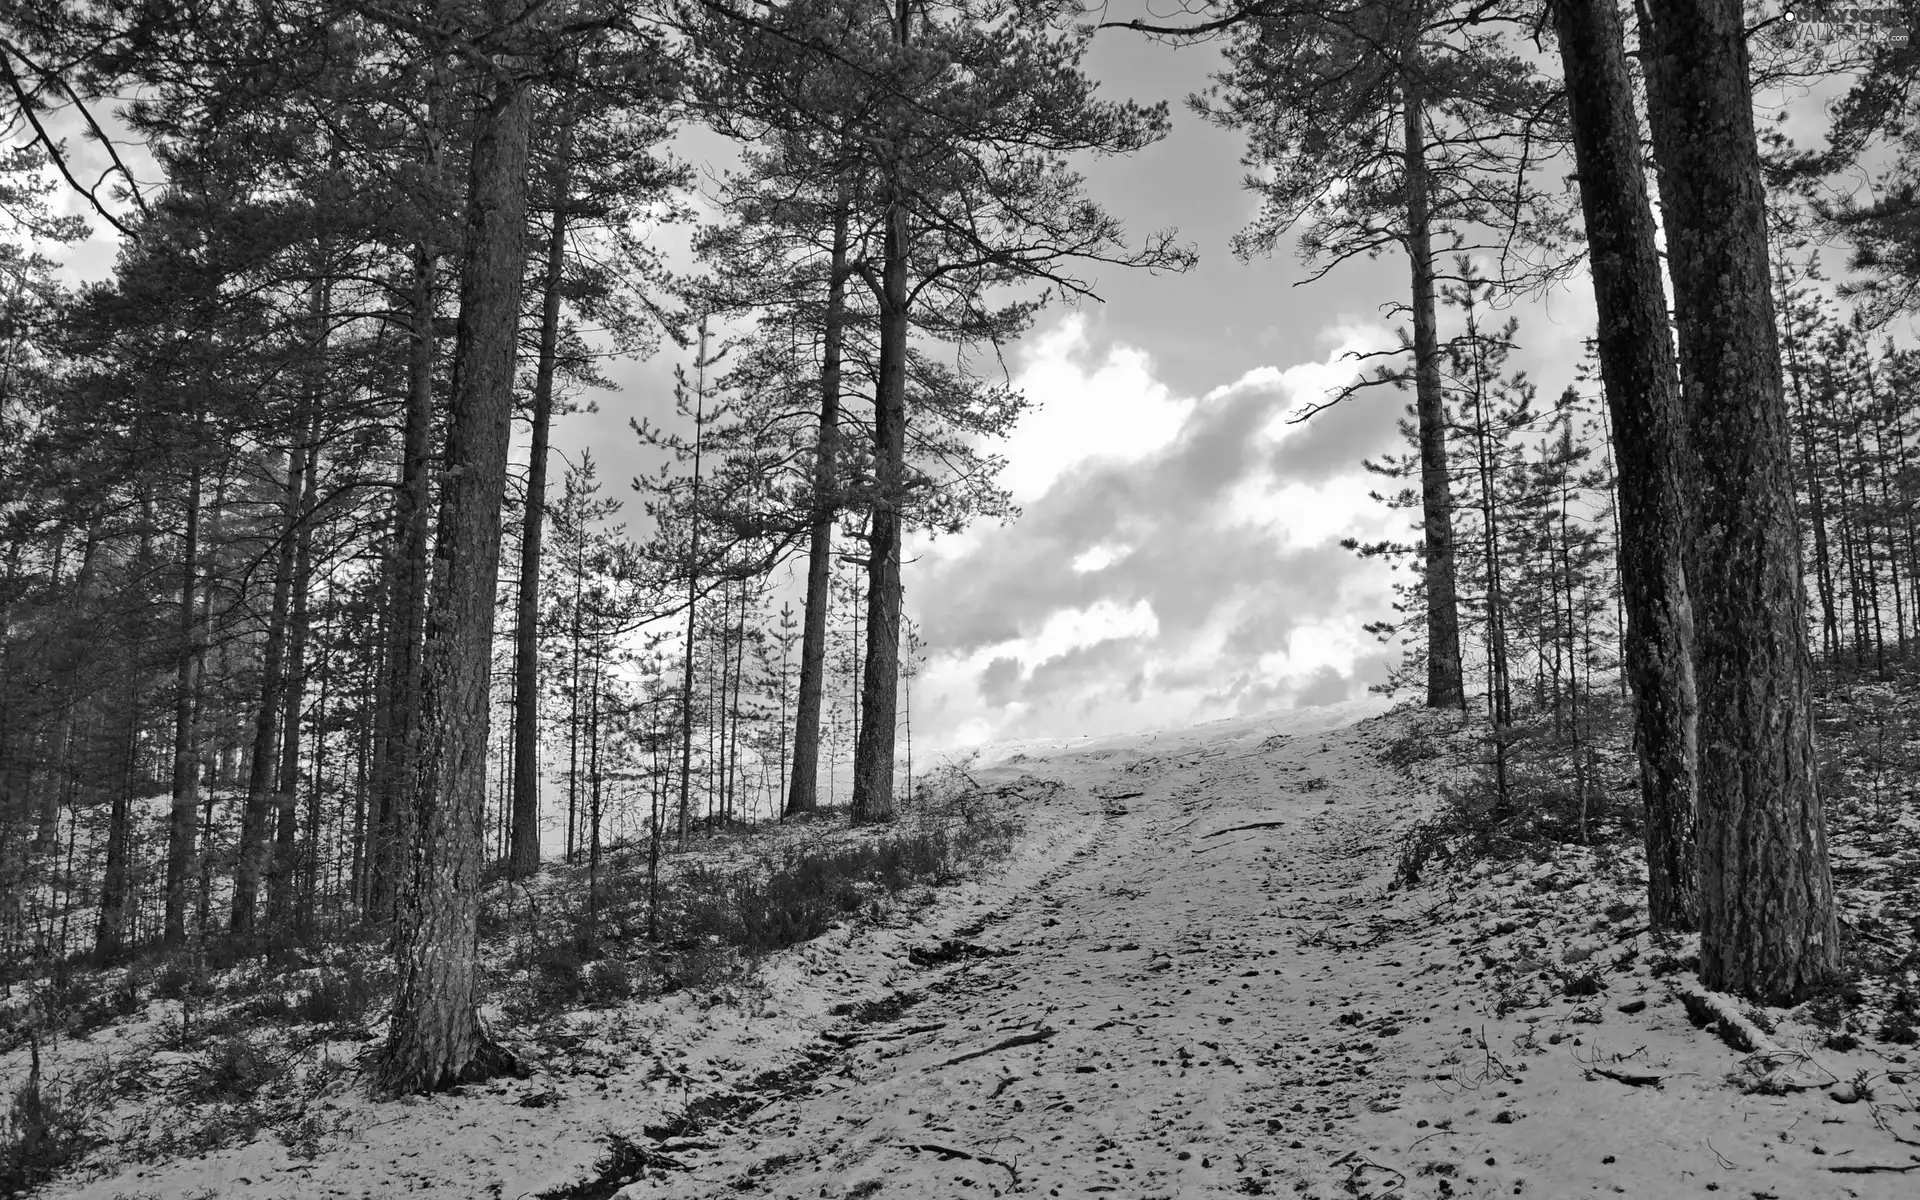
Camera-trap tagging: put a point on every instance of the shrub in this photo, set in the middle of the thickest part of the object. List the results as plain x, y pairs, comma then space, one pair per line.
44, 1131
558, 974
179, 978
236, 1069
608, 981
341, 995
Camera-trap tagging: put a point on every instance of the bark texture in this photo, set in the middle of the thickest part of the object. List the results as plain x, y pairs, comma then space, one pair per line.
880, 678
1445, 686
407, 592
1767, 925
1649, 437
435, 1039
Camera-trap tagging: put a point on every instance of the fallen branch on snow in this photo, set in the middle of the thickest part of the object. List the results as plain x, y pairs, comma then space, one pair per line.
1237, 828
948, 1154
1023, 1039
1629, 1078
1875, 1169
1729, 1023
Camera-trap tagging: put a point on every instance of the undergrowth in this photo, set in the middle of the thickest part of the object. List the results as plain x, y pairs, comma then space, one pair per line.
1868, 746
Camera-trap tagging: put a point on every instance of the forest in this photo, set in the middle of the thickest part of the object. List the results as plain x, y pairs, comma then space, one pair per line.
320, 665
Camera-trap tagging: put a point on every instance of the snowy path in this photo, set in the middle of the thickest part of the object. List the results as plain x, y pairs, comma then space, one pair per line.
1186, 1008
1189, 980
1176, 980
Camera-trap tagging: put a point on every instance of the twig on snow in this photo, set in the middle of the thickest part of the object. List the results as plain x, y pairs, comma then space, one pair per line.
1875, 1169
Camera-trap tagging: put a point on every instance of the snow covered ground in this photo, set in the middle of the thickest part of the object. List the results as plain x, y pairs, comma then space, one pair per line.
1191, 979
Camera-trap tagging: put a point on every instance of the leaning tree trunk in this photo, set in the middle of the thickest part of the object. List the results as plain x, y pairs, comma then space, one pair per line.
1649, 435
1767, 925
803, 791
435, 1039
1445, 687
524, 857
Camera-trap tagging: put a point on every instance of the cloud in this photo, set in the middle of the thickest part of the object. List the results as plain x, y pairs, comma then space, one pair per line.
1177, 567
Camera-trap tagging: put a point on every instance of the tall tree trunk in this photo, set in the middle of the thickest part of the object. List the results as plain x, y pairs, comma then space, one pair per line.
874, 748
281, 880
393, 832
1767, 923
393, 829
588, 936
1649, 439
254, 817
803, 788
1810, 467
116, 886
110, 936
524, 858
573, 720
693, 591
309, 856
1445, 686
186, 793
435, 1039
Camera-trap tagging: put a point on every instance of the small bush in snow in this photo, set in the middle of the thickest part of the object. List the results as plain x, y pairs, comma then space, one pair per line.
44, 1131
237, 1068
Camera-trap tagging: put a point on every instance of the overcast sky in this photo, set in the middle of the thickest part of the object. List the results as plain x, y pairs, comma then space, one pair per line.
1178, 558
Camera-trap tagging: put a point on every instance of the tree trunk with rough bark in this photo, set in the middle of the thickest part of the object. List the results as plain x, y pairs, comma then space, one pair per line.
393, 831
435, 1039
1767, 922
1635, 347
879, 684
1446, 687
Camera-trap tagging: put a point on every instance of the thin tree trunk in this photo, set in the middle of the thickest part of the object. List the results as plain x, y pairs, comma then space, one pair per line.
803, 790
186, 794
1649, 431
254, 817
281, 879
524, 858
309, 857
1823, 567
1767, 922
435, 1039
693, 591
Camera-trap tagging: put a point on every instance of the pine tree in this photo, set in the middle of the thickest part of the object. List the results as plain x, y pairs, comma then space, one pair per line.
1649, 443
1767, 924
